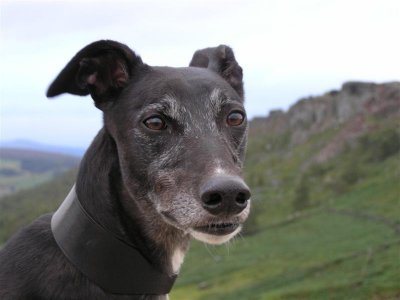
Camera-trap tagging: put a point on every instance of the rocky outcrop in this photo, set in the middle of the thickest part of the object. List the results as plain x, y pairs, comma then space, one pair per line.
347, 108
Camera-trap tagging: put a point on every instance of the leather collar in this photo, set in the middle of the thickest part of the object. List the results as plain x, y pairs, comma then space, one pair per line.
114, 265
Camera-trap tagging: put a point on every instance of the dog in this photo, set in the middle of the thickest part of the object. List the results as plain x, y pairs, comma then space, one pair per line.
165, 167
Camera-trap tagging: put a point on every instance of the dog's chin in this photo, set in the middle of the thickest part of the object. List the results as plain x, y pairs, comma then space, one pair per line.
211, 233
216, 238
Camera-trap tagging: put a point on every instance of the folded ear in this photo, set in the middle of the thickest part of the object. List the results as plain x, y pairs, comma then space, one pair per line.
101, 69
222, 61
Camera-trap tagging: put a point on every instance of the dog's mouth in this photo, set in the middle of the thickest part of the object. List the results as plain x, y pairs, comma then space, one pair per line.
211, 228
212, 232
218, 228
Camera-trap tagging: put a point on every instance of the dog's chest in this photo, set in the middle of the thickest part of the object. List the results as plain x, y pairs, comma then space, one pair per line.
177, 260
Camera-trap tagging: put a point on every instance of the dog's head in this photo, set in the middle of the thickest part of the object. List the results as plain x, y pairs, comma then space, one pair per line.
180, 132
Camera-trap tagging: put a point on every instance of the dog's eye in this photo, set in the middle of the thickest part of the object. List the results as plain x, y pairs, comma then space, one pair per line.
235, 118
155, 123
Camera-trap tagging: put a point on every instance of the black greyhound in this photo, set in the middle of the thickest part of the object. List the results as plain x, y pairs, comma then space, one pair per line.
165, 167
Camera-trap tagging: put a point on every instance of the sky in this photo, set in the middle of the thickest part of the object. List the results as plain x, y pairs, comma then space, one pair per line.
288, 49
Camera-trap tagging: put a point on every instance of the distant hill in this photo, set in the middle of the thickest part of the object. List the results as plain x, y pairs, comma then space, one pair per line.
357, 108
20, 208
22, 168
325, 205
31, 145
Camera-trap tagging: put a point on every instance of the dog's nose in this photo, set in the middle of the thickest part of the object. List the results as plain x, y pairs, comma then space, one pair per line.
225, 194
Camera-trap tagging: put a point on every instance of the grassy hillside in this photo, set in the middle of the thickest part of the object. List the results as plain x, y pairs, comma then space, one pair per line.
317, 231
21, 208
21, 169
325, 224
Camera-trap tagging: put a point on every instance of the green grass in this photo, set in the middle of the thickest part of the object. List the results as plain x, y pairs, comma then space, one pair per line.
314, 254
378, 194
21, 208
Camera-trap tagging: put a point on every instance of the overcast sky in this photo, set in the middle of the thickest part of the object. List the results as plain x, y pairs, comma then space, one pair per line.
288, 50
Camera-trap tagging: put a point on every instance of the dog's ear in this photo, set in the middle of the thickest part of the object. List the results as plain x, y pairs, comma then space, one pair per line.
222, 61
101, 69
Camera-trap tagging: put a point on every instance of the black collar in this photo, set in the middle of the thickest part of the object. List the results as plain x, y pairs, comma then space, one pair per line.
115, 266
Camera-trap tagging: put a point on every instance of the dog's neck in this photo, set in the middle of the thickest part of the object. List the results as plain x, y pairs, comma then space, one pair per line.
103, 195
